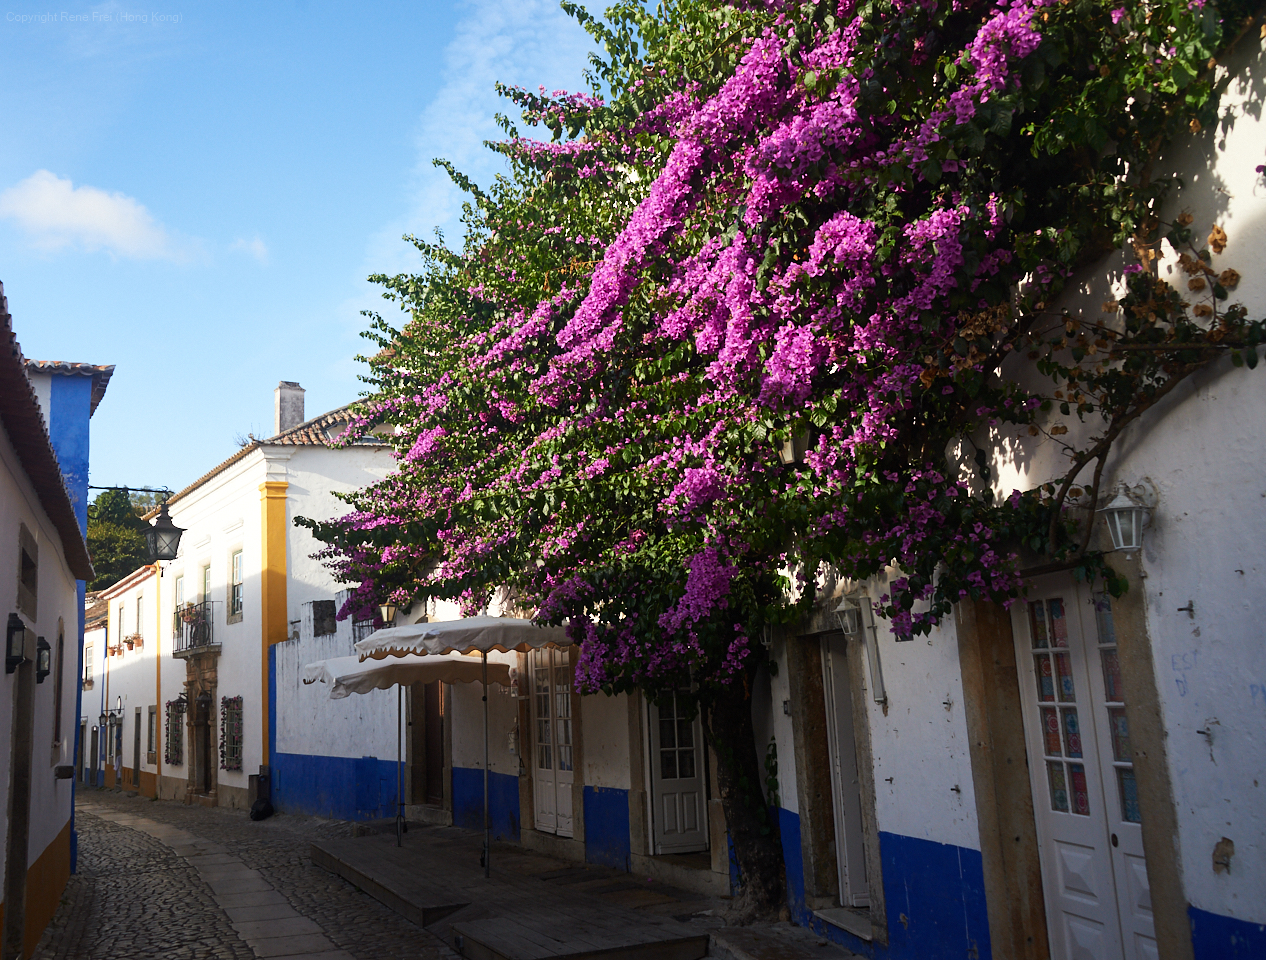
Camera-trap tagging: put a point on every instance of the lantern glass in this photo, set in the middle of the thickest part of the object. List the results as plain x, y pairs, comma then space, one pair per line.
387, 611
1124, 519
849, 616
163, 537
43, 659
14, 644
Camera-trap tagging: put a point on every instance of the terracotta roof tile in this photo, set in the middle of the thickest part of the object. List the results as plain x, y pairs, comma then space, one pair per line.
100, 375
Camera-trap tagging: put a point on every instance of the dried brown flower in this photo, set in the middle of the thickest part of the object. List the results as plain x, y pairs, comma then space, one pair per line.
1196, 283
1217, 239
1202, 310
1229, 278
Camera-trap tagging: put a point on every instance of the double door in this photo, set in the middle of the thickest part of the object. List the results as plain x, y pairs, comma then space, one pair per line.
552, 767
1085, 796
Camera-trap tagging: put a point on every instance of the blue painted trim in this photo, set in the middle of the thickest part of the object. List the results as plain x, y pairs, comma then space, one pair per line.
69, 412
70, 407
1215, 937
607, 827
342, 788
503, 798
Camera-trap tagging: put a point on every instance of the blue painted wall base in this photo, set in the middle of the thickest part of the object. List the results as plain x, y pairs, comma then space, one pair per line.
934, 894
607, 827
1215, 937
345, 788
503, 799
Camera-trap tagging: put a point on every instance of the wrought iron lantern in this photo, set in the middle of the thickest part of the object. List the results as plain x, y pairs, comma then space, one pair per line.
1125, 515
387, 611
163, 536
43, 659
14, 644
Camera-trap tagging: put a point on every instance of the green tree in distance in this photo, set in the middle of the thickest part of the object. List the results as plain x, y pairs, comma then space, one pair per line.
116, 537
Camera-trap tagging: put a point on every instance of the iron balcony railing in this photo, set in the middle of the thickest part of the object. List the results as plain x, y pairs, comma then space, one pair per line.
192, 627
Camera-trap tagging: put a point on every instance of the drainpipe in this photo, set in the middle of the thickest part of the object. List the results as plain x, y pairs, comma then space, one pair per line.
17, 846
160, 712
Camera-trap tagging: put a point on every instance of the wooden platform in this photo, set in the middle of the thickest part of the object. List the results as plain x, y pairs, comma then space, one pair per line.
532, 908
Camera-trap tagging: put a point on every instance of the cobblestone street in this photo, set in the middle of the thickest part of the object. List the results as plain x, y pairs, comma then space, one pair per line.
187, 883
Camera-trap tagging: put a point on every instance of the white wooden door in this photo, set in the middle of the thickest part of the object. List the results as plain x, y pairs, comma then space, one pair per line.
678, 792
1084, 799
846, 790
552, 771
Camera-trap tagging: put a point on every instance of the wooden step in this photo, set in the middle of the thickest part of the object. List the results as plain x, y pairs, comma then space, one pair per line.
404, 891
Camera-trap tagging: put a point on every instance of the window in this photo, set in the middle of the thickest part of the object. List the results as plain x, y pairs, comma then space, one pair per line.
140, 612
88, 654
235, 585
175, 751
323, 622
230, 733
151, 736
28, 572
58, 676
206, 582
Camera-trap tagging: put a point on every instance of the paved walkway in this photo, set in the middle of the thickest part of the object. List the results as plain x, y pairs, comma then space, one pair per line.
160, 880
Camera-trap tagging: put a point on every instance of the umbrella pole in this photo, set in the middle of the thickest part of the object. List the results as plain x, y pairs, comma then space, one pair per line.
487, 812
399, 775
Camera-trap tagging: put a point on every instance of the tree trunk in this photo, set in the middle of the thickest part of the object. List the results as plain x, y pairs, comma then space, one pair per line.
727, 722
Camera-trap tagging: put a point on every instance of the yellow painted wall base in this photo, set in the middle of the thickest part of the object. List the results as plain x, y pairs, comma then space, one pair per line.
45, 881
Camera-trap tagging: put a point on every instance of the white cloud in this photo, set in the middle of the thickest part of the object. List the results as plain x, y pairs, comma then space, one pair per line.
58, 214
255, 247
525, 42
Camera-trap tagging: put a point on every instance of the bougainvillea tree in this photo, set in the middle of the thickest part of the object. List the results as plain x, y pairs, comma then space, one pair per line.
835, 225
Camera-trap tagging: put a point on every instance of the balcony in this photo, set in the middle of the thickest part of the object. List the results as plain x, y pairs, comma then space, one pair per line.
191, 630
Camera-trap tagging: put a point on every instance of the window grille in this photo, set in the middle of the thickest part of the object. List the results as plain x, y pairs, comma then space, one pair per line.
230, 733
361, 629
175, 752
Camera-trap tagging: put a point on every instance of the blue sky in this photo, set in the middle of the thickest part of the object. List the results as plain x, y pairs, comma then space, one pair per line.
195, 192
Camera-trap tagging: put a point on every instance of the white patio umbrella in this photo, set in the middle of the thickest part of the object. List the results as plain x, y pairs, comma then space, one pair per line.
348, 675
468, 635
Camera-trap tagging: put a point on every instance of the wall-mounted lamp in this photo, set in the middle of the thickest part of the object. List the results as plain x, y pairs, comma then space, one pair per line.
793, 449
849, 616
857, 621
163, 536
43, 659
387, 611
1127, 514
14, 643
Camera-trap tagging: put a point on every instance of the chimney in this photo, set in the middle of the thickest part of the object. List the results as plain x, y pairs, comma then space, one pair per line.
289, 406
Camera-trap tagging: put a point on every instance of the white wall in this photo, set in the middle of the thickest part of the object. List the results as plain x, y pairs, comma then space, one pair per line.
315, 475
923, 783
309, 722
58, 601
1203, 449
467, 719
605, 739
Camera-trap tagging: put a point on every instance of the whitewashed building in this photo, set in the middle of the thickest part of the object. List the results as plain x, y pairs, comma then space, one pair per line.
44, 414
1076, 777
189, 708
